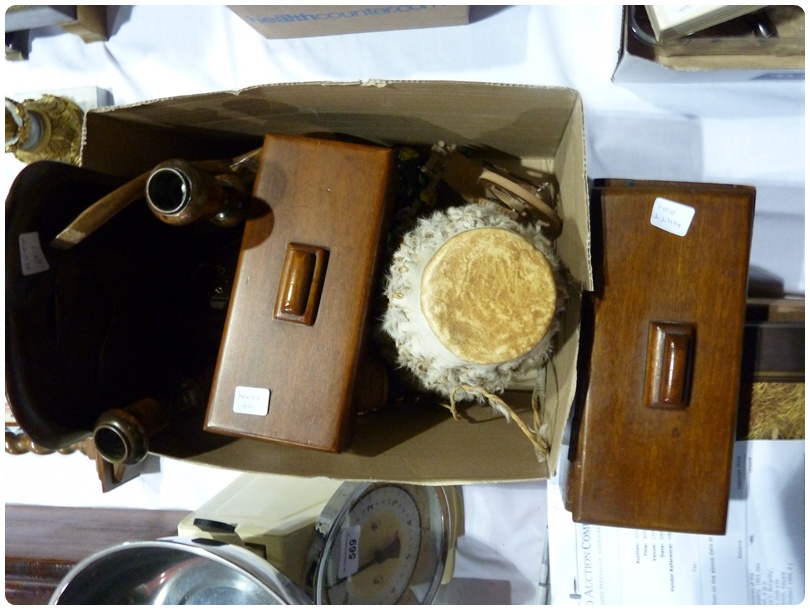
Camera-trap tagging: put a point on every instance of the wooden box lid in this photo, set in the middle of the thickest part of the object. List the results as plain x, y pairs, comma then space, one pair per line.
654, 430
294, 340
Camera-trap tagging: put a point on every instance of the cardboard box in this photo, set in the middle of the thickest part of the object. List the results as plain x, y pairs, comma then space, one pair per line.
90, 24
27, 17
696, 59
531, 128
87, 21
275, 21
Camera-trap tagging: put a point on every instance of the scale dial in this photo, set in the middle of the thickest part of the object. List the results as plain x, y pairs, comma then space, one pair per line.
382, 543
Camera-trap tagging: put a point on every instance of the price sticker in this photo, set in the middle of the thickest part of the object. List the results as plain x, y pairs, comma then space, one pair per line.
251, 401
32, 259
672, 216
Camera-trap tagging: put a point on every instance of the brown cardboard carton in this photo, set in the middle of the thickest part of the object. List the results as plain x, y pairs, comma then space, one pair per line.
531, 128
277, 21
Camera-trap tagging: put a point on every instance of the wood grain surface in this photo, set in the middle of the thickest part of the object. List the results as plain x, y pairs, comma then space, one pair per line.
333, 197
637, 464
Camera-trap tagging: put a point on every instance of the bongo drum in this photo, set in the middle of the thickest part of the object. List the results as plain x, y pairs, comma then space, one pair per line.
473, 299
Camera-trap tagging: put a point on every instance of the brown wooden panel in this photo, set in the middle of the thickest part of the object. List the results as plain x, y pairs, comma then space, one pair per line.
291, 378
664, 468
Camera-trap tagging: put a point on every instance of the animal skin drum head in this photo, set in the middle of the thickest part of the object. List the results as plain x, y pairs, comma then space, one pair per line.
473, 299
488, 295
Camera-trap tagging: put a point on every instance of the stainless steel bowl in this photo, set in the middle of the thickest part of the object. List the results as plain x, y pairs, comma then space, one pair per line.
176, 571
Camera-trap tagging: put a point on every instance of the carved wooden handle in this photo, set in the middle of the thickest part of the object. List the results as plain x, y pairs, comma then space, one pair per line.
668, 376
299, 289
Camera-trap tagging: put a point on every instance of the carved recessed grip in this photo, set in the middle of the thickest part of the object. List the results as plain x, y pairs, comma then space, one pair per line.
670, 354
299, 289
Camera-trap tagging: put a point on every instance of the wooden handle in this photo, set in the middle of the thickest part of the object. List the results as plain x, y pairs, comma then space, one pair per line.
108, 206
299, 289
100, 212
297, 283
668, 376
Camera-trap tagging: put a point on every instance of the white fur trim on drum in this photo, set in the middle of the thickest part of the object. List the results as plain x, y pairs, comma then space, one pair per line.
419, 350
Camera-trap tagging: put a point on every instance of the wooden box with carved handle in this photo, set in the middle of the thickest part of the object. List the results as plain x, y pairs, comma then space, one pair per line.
660, 379
293, 365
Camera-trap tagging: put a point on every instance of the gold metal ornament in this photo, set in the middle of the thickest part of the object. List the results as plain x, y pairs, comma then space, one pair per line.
47, 128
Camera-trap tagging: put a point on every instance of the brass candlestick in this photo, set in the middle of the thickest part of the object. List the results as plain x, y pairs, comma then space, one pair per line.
47, 128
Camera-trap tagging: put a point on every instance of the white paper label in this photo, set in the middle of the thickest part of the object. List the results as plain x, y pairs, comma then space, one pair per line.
251, 401
349, 560
671, 216
32, 259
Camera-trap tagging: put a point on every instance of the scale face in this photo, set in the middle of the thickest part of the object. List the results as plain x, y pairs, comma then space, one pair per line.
383, 543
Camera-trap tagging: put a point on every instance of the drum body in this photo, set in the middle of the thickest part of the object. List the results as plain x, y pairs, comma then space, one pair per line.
473, 298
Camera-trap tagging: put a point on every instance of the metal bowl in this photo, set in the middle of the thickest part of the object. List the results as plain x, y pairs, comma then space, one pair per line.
176, 571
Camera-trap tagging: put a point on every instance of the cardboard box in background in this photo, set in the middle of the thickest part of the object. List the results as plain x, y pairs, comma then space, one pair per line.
695, 59
523, 128
27, 17
90, 24
276, 21
87, 21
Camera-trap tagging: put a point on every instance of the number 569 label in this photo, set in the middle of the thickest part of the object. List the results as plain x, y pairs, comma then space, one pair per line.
349, 559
